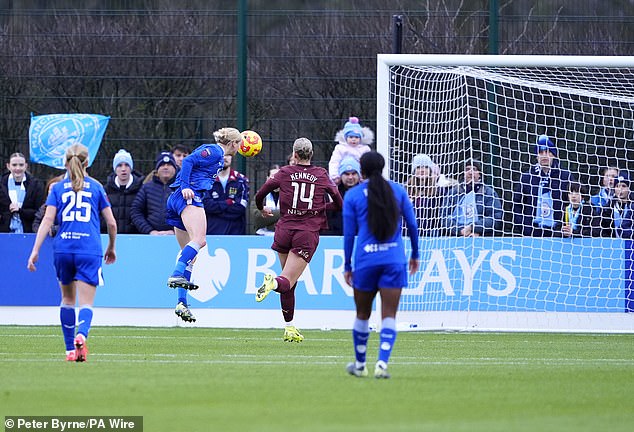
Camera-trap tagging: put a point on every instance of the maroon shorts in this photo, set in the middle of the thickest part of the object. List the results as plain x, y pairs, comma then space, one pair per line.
302, 243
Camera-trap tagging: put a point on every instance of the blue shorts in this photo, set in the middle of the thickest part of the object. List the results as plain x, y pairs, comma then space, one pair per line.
372, 278
70, 267
176, 204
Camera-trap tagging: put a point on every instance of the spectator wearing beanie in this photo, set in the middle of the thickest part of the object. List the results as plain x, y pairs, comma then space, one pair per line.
350, 176
122, 187
148, 209
541, 193
353, 140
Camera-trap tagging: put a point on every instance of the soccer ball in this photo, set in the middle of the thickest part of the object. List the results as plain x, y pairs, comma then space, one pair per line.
251, 144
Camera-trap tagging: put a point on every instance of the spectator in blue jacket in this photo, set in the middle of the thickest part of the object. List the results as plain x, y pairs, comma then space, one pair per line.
227, 201
148, 208
606, 193
122, 187
472, 209
617, 220
541, 193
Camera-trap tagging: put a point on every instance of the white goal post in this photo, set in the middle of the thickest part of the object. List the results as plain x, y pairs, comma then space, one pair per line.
528, 247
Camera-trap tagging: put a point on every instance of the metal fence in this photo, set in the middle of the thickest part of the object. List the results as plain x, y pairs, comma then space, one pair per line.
169, 72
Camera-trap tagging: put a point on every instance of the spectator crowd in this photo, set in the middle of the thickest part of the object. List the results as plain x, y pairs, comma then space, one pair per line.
547, 199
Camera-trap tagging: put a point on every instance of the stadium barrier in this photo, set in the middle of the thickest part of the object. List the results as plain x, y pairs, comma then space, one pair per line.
467, 284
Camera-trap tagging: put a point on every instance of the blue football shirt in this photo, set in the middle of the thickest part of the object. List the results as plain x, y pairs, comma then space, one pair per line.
78, 216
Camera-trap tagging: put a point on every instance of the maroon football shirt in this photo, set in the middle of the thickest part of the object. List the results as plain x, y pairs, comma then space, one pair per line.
302, 199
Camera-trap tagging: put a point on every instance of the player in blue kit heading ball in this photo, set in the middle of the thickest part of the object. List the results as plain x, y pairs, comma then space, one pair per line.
186, 212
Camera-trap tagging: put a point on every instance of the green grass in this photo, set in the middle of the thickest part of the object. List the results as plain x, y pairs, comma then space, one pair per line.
194, 379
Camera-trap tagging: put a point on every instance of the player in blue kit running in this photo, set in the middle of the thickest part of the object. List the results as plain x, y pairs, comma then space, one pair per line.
372, 212
75, 204
186, 212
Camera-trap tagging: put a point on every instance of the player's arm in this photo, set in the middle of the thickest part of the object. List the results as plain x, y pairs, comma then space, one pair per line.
42, 233
269, 186
337, 201
110, 255
407, 210
350, 230
186, 171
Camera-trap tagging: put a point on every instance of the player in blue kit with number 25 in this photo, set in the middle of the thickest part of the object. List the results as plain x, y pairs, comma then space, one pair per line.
75, 203
372, 212
186, 212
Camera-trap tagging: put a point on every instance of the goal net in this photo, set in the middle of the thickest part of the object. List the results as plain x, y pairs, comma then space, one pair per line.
503, 158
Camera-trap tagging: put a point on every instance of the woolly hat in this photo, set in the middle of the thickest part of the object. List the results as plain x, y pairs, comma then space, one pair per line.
545, 143
423, 160
352, 128
122, 156
624, 177
165, 157
349, 163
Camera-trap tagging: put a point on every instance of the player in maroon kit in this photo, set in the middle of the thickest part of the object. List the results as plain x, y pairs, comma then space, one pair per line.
303, 188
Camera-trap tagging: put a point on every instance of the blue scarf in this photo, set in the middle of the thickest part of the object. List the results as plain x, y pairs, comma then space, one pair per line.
16, 194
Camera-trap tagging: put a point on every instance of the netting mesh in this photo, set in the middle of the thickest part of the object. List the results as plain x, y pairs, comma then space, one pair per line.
538, 139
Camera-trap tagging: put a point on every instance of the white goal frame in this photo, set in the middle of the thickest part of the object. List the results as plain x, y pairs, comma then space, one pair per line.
493, 321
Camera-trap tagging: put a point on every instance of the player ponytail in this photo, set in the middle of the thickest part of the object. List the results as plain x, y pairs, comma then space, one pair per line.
383, 212
76, 162
227, 135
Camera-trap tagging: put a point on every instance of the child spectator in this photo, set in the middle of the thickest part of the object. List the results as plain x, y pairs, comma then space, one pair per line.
579, 220
353, 140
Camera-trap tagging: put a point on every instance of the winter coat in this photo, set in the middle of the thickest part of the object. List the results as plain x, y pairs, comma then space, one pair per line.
226, 208
606, 221
33, 199
343, 149
488, 210
121, 199
587, 223
148, 208
527, 189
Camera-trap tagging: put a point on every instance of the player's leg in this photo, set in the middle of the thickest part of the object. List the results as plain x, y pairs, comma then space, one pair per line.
182, 307
195, 223
294, 266
86, 293
65, 271
68, 319
389, 304
364, 281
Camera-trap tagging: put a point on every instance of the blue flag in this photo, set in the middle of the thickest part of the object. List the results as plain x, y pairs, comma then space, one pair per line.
50, 136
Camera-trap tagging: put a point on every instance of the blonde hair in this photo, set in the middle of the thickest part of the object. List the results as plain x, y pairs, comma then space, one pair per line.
303, 148
76, 162
227, 135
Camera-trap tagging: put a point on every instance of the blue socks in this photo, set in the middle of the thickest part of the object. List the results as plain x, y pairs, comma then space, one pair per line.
67, 319
182, 292
360, 336
85, 319
387, 339
185, 258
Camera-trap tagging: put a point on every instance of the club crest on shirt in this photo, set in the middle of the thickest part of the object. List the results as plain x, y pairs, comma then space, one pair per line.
204, 153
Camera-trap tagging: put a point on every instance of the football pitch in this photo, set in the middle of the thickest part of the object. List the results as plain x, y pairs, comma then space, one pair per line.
200, 379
